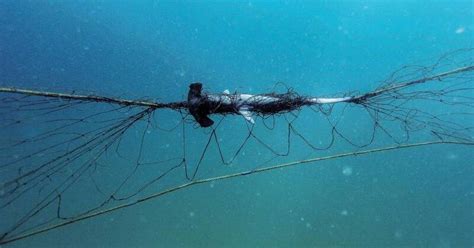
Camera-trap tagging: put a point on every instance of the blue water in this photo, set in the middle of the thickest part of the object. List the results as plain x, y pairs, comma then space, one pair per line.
153, 49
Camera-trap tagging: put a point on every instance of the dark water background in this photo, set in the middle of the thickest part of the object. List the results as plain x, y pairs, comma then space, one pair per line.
412, 198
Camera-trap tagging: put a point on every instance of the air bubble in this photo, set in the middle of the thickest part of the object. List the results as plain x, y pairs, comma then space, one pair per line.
347, 170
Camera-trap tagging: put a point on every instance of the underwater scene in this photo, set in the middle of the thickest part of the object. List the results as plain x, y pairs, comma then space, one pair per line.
220, 123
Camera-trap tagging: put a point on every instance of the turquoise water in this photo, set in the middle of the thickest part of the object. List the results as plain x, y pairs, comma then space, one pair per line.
421, 197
